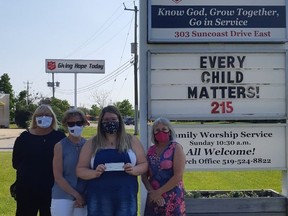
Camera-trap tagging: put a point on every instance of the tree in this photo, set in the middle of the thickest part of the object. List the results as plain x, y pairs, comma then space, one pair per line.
125, 108
23, 111
58, 106
23, 115
6, 88
21, 99
84, 110
101, 98
95, 110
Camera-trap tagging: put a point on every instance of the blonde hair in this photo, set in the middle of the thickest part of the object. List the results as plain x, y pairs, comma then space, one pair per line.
44, 108
123, 139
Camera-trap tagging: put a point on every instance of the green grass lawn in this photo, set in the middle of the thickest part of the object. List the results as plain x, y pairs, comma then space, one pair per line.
225, 180
229, 180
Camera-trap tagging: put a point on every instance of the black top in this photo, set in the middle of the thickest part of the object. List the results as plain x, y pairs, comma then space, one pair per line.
32, 158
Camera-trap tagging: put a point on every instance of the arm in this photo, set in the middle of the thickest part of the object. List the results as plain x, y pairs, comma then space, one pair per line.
145, 180
58, 175
141, 162
16, 155
178, 168
83, 169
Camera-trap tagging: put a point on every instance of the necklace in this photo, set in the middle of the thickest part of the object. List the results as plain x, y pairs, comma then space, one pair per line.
159, 150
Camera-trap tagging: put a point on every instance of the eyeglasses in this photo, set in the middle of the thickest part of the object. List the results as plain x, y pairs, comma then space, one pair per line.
72, 124
165, 130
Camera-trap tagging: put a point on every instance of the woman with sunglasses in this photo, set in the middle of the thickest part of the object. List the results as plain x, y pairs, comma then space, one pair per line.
111, 161
164, 179
68, 190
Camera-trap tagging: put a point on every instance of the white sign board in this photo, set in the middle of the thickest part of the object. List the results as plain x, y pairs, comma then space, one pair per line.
182, 21
74, 66
234, 85
233, 146
4, 110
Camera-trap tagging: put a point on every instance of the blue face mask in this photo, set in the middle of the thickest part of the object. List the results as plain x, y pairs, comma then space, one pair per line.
110, 127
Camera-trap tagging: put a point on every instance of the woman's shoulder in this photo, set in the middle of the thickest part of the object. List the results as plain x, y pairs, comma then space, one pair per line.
23, 135
83, 140
175, 145
58, 133
135, 142
151, 148
88, 143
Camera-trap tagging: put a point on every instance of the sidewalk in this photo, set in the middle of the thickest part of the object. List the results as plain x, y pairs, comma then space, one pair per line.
6, 133
7, 138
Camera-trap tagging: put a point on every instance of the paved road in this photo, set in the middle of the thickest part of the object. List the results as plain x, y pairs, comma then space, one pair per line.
8, 136
7, 144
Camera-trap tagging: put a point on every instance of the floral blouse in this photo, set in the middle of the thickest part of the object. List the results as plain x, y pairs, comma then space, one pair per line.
160, 171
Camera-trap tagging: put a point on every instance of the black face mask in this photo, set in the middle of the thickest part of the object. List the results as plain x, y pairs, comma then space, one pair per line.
110, 127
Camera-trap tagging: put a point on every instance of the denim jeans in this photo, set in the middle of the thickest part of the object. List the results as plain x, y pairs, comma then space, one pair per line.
112, 204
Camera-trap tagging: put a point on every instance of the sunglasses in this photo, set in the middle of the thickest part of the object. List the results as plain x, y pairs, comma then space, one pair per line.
72, 124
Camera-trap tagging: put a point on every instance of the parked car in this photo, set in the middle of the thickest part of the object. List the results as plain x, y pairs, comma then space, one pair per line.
129, 121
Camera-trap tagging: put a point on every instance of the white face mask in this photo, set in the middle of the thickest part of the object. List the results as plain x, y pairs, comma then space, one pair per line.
75, 131
44, 121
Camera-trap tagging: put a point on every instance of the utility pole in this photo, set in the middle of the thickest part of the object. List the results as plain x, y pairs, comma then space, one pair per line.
27, 91
53, 85
135, 52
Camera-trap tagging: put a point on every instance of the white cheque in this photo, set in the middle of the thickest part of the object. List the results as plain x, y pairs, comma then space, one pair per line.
114, 166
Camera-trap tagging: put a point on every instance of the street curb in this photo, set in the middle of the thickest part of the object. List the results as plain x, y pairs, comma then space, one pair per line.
2, 138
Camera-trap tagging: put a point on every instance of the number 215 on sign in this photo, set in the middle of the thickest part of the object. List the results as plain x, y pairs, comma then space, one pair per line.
222, 107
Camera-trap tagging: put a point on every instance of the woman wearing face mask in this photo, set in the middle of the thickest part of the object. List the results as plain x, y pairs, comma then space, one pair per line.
32, 158
111, 161
164, 179
68, 190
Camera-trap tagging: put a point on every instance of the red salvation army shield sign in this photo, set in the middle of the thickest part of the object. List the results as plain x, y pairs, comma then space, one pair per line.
51, 65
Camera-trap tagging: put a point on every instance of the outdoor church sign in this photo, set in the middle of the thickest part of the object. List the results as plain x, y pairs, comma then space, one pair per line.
217, 85
233, 146
186, 21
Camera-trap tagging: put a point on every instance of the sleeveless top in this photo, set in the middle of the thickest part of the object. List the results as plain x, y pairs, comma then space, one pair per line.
70, 155
160, 172
112, 182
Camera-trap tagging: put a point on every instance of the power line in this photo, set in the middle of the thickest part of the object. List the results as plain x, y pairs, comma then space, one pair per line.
135, 52
102, 81
108, 41
96, 34
100, 31
126, 39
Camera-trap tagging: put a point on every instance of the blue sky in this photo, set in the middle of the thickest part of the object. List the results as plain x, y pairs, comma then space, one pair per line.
32, 31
